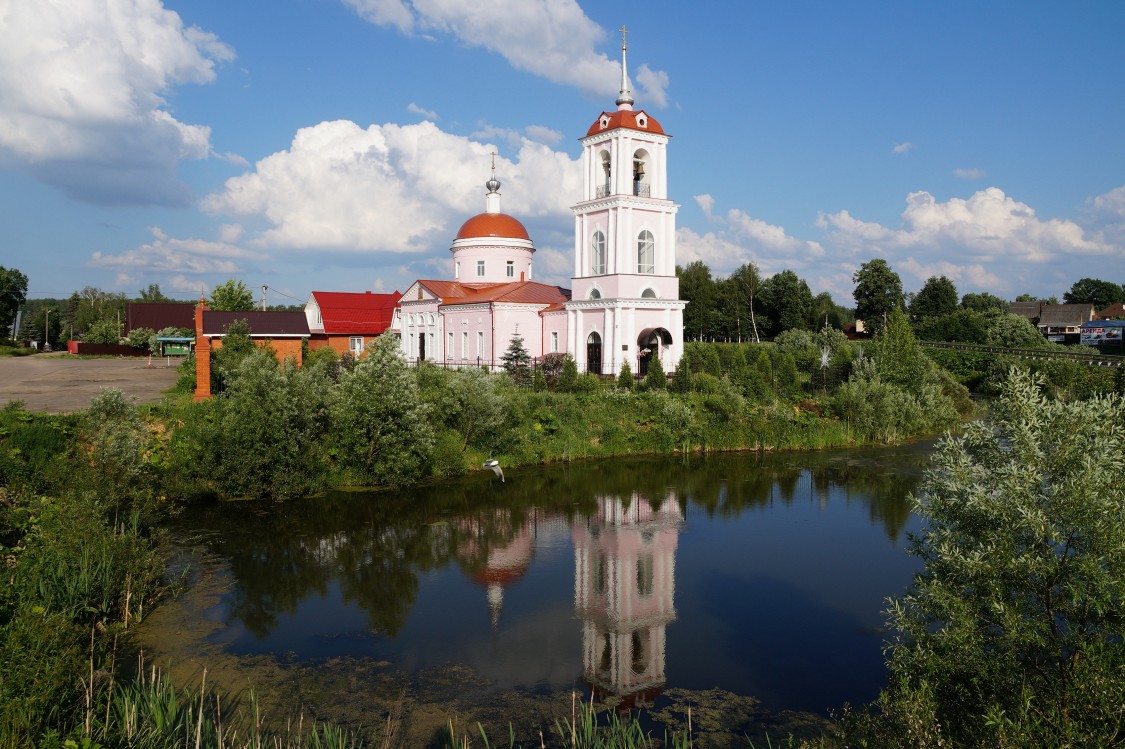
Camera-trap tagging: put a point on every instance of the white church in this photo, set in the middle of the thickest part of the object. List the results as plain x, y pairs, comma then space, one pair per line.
623, 305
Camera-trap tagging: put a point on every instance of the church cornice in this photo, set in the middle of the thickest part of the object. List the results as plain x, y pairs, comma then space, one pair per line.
625, 201
626, 303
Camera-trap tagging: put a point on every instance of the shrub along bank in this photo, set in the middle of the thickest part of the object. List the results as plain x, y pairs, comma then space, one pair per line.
281, 431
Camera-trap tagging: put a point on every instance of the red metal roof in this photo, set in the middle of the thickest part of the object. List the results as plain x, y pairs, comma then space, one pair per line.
625, 118
516, 292
347, 313
492, 225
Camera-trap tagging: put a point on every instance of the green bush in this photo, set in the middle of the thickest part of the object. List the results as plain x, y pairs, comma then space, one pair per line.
1011, 634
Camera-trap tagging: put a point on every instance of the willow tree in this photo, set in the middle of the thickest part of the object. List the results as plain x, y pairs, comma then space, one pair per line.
1011, 634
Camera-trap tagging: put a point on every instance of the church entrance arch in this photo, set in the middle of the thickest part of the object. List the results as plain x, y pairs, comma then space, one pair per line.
594, 354
651, 342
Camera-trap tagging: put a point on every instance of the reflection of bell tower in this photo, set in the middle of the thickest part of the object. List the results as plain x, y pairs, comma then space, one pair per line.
624, 583
498, 563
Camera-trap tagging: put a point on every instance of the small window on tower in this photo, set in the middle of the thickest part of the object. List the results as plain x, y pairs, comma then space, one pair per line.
457, 270
510, 269
480, 269
642, 121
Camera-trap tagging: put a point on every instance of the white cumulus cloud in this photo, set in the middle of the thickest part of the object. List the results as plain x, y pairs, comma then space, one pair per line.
171, 255
988, 241
904, 147
553, 39
389, 188
82, 96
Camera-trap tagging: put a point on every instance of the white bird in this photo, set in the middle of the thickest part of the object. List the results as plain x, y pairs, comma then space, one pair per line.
495, 466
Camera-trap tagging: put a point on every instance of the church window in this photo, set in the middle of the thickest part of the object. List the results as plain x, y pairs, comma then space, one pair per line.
648, 293
465, 344
456, 270
554, 342
597, 254
449, 345
510, 269
601, 575
644, 574
433, 351
595, 294
639, 660
480, 269
646, 253
480, 344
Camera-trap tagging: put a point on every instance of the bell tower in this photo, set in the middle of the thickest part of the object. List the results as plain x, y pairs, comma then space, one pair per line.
625, 304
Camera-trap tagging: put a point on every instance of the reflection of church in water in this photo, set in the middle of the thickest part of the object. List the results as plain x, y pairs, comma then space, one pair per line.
624, 583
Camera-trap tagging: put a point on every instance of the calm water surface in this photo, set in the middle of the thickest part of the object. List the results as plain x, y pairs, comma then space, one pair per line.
760, 575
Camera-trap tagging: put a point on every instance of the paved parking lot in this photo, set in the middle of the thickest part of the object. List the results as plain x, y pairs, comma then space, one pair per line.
60, 383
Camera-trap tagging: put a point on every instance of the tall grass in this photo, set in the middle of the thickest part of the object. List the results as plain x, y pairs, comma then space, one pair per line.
151, 713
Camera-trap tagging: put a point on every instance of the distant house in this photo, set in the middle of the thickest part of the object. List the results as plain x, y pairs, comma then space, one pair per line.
1029, 310
1115, 311
284, 332
1062, 323
158, 315
347, 322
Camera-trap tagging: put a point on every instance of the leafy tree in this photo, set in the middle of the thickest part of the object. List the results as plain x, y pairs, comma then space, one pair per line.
550, 366
474, 407
698, 290
785, 370
681, 379
271, 427
1011, 634
237, 345
1012, 331
962, 326
1094, 291
983, 302
745, 286
824, 308
142, 338
878, 290
153, 294
13, 293
787, 301
568, 376
232, 296
103, 331
936, 298
378, 419
1033, 298
898, 358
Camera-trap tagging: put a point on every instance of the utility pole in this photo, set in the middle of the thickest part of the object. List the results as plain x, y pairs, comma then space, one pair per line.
263, 297
47, 329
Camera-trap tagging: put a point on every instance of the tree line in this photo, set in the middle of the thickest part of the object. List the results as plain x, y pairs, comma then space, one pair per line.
746, 307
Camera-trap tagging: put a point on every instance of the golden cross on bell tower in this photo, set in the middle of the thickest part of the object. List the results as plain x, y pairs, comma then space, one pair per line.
623, 31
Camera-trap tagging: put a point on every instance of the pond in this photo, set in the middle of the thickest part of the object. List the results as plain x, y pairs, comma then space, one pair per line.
748, 580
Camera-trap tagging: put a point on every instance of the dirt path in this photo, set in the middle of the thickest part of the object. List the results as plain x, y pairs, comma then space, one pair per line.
60, 383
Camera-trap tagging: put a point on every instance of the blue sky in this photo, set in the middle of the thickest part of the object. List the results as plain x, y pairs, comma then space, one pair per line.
339, 144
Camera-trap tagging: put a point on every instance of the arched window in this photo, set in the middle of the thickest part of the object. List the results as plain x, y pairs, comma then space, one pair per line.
646, 253
595, 294
648, 293
597, 254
